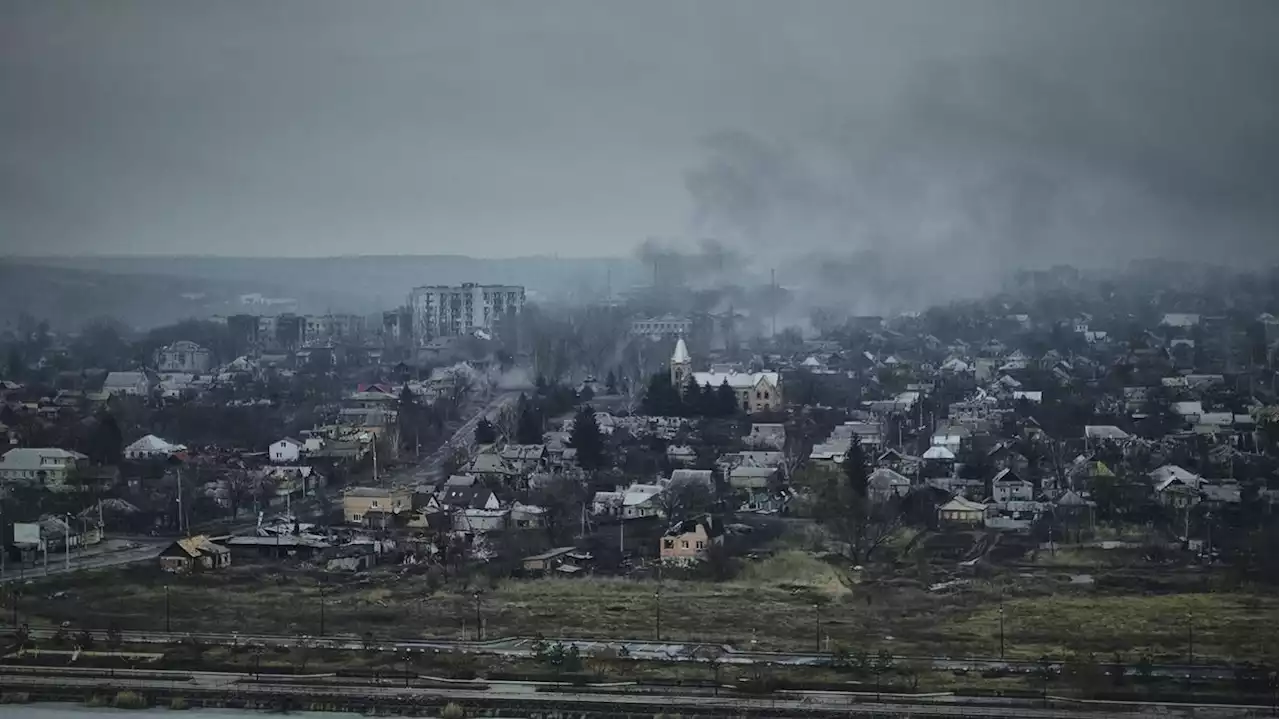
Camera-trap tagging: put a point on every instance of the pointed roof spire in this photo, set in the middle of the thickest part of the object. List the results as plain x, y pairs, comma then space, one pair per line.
681, 353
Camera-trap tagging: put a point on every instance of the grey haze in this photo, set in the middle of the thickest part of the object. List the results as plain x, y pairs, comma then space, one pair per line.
906, 135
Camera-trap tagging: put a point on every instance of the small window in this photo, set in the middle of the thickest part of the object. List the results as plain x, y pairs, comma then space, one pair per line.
668, 544
684, 544
700, 545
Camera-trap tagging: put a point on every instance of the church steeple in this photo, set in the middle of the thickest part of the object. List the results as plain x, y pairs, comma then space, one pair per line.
681, 364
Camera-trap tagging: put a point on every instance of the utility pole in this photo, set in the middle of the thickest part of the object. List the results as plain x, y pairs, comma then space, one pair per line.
66, 542
657, 613
479, 629
178, 479
321, 609
817, 628
166, 609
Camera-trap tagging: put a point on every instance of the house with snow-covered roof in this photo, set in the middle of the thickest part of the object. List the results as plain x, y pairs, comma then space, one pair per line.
151, 447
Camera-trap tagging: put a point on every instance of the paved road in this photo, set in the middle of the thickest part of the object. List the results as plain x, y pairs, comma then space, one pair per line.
637, 650
526, 696
431, 467
138, 550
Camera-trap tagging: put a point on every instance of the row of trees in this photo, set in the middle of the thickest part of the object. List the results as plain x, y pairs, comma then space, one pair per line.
663, 399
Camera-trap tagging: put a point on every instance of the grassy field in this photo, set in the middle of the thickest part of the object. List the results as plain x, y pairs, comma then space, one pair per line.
1221, 625
770, 606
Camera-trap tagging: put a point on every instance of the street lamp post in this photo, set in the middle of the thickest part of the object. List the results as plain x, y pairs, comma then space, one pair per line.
479, 628
166, 609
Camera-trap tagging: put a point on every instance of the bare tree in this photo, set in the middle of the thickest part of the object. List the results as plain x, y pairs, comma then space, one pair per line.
857, 524
681, 499
563, 500
302, 651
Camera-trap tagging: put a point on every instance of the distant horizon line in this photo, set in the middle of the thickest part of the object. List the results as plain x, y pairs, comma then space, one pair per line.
159, 256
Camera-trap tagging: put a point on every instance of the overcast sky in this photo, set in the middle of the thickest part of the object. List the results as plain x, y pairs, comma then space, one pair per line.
493, 128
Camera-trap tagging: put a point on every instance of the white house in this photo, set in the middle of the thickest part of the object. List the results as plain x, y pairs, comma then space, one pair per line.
184, 356
286, 450
135, 384
48, 466
633, 502
150, 447
1009, 487
949, 436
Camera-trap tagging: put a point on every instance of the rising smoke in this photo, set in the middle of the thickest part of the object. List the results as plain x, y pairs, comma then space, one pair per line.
1090, 146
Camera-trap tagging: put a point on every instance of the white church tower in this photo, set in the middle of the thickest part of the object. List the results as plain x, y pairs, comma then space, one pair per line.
681, 365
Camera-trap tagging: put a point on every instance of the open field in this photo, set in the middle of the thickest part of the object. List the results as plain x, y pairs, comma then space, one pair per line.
770, 606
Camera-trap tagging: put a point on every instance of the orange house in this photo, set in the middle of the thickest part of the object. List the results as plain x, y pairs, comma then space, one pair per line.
689, 540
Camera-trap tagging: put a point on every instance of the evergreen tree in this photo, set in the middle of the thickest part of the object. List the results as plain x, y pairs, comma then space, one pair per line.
611, 383
707, 401
528, 423
660, 398
106, 444
408, 417
726, 400
586, 438
691, 398
486, 433
855, 468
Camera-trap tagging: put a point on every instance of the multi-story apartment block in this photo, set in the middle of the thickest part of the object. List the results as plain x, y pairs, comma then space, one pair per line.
442, 311
397, 326
665, 326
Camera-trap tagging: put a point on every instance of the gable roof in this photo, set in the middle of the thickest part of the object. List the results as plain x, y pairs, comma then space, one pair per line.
886, 478
31, 458
960, 504
1007, 476
736, 380
474, 497
124, 379
152, 443
691, 475
938, 452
